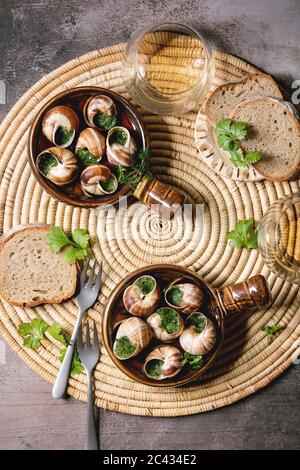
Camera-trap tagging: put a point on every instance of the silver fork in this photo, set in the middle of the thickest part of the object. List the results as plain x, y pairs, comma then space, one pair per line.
89, 356
86, 297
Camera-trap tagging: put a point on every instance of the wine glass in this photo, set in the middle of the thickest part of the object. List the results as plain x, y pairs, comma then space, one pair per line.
168, 68
279, 238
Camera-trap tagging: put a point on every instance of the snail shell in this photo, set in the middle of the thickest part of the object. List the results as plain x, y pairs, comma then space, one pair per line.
141, 298
120, 152
100, 104
57, 165
137, 332
160, 329
167, 358
91, 140
198, 343
58, 120
189, 297
94, 178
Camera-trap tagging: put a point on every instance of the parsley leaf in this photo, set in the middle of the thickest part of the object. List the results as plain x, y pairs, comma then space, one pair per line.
55, 330
81, 237
244, 235
138, 170
74, 253
33, 332
253, 157
228, 134
56, 238
196, 362
75, 248
271, 331
76, 366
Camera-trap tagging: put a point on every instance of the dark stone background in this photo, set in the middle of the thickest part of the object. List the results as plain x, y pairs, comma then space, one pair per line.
37, 37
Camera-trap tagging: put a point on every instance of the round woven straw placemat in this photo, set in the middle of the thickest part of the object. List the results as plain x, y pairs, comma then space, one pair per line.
247, 362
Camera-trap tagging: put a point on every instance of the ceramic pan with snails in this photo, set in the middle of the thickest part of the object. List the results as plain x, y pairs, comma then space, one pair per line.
164, 325
79, 139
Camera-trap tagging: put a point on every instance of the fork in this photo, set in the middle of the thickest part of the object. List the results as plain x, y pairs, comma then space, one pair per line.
89, 356
87, 296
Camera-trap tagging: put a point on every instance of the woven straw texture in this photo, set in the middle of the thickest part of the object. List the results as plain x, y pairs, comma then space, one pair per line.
246, 362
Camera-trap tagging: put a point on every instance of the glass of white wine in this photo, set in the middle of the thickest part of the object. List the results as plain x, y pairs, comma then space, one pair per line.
168, 69
279, 238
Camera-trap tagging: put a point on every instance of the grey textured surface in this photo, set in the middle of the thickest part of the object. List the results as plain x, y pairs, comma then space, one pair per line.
35, 38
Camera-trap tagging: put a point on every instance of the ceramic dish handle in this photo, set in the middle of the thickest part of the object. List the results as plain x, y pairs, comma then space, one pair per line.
159, 196
253, 293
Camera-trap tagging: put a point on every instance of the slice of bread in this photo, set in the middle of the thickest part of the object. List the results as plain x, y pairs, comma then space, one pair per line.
274, 131
226, 97
30, 274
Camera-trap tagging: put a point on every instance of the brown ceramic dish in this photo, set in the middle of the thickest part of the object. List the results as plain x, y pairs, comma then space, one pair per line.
217, 304
75, 99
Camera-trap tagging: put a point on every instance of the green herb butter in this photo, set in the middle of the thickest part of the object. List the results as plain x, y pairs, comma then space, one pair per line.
154, 367
124, 347
169, 319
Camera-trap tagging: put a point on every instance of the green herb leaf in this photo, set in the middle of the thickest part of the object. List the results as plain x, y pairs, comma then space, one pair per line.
271, 331
76, 366
138, 170
195, 362
253, 157
244, 235
55, 330
81, 237
33, 332
229, 133
75, 248
237, 157
56, 238
105, 122
73, 253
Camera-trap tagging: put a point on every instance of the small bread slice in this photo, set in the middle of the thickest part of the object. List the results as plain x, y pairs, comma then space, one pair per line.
274, 131
30, 274
226, 97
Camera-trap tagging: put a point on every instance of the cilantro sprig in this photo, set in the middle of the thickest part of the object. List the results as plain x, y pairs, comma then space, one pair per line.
271, 331
244, 235
75, 248
195, 362
138, 170
34, 333
229, 133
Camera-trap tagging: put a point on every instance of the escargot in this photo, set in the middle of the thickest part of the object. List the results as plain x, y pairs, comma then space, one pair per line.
59, 125
120, 146
100, 111
57, 165
132, 337
97, 180
163, 362
90, 146
141, 298
186, 297
165, 323
199, 336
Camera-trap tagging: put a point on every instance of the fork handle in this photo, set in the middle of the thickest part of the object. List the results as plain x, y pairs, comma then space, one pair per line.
91, 438
62, 379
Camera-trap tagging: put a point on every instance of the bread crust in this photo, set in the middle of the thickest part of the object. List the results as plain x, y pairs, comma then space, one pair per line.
225, 86
291, 174
8, 235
